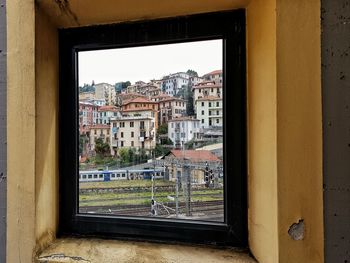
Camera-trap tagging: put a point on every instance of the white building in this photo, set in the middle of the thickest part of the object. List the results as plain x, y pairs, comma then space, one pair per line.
105, 91
215, 76
173, 83
106, 113
209, 111
183, 129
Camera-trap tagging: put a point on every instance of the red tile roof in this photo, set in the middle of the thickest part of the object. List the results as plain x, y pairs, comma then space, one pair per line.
219, 71
137, 100
108, 108
193, 155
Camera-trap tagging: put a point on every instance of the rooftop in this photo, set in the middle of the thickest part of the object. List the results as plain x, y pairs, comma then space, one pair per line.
209, 98
108, 108
219, 71
193, 155
185, 118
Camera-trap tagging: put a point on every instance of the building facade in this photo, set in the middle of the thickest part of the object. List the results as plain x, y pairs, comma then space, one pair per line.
209, 111
132, 132
174, 83
183, 129
98, 131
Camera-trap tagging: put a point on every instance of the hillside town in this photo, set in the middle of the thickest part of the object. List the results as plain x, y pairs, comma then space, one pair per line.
179, 111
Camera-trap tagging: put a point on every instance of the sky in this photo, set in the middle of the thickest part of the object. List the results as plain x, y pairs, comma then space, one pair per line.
150, 62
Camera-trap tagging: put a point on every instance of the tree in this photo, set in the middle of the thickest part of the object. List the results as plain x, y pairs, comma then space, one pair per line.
192, 73
102, 148
160, 150
82, 142
126, 84
162, 129
123, 155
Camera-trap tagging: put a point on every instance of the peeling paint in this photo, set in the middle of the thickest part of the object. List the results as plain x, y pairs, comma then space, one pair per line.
296, 230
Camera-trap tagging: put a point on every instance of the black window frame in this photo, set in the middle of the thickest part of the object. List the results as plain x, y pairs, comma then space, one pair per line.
227, 25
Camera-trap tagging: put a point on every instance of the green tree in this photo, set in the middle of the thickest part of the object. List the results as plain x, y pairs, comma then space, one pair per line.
125, 84
123, 155
82, 141
162, 129
131, 155
192, 73
102, 148
160, 150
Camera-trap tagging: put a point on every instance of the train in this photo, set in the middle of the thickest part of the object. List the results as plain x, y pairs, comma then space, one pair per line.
112, 175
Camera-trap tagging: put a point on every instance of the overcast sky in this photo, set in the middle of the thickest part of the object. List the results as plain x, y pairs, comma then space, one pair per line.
146, 63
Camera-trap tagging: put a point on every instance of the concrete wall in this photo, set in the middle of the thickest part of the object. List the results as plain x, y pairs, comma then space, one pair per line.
336, 128
3, 158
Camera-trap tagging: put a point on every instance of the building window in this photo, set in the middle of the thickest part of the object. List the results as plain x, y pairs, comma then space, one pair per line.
230, 224
132, 134
131, 124
209, 104
202, 103
132, 143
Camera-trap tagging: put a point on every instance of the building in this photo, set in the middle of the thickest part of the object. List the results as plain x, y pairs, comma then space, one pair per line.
209, 111
183, 129
105, 113
87, 95
123, 97
206, 88
172, 84
140, 106
97, 102
88, 116
170, 107
192, 156
98, 131
132, 131
105, 91
215, 76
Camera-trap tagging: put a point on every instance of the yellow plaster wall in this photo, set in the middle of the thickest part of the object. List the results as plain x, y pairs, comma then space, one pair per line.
299, 129
284, 118
21, 138
46, 149
262, 133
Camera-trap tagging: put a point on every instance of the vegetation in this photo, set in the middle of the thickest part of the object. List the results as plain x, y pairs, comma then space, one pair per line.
160, 150
192, 73
162, 129
102, 149
87, 88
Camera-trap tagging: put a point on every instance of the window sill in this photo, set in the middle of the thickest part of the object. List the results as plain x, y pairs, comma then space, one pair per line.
97, 250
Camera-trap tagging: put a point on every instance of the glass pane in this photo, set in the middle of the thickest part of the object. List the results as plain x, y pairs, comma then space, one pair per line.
151, 131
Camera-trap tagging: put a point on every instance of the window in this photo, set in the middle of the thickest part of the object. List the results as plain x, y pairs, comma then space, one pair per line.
122, 135
202, 103
226, 28
202, 112
132, 143
132, 134
131, 124
209, 104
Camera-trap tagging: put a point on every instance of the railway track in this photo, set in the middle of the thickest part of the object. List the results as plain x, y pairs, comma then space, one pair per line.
136, 189
205, 207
